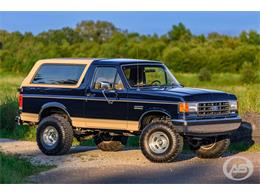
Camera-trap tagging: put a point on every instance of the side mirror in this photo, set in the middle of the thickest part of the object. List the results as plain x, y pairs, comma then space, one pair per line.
105, 85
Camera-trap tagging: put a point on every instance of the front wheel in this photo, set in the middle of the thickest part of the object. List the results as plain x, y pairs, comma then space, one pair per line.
211, 148
160, 142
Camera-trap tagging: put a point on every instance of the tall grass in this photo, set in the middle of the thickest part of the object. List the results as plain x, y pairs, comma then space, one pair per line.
9, 107
8, 100
16, 170
248, 94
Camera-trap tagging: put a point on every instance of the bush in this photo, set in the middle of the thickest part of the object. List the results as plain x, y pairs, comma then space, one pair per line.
8, 111
8, 127
204, 74
248, 74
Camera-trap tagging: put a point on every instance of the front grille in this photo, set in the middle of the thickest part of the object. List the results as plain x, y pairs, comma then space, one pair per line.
211, 109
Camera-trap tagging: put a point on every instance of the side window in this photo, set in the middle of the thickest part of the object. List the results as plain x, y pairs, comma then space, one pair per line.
109, 76
131, 74
118, 83
155, 75
58, 74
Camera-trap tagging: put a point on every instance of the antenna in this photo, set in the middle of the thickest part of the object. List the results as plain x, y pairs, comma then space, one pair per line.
138, 81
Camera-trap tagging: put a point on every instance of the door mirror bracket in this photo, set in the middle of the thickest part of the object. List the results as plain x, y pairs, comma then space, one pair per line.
104, 94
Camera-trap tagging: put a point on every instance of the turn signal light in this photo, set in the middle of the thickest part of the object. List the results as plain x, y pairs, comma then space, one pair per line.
183, 107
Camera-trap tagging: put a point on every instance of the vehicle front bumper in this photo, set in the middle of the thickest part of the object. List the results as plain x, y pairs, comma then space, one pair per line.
207, 126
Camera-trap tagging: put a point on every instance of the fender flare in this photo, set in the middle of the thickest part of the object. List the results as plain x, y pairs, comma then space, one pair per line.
53, 105
162, 111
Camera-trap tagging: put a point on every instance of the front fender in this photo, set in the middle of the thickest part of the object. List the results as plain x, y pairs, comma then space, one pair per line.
154, 110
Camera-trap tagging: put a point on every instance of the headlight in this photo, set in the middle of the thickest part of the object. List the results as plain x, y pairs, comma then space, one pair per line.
233, 105
188, 107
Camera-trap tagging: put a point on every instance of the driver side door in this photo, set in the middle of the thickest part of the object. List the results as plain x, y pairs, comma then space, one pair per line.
104, 106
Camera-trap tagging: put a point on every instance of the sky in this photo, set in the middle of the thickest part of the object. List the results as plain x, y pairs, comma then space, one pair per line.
230, 23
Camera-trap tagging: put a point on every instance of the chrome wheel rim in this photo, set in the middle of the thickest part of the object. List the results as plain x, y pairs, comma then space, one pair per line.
159, 142
50, 136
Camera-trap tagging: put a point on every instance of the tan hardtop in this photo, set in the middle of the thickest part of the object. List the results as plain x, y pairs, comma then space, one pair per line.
72, 61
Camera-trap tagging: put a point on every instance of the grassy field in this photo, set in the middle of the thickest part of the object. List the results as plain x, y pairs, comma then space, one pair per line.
248, 96
8, 108
9, 166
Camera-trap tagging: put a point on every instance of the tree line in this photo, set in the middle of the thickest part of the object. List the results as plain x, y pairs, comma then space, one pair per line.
179, 49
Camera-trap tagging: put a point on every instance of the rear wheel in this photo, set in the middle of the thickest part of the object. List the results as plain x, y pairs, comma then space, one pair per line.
160, 142
106, 142
54, 135
211, 148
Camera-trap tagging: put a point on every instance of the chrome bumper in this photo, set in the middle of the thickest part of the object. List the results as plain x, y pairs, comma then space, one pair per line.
207, 126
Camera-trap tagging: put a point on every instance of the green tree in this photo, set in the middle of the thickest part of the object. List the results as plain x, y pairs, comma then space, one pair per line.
178, 48
204, 74
174, 58
248, 74
179, 33
243, 37
99, 31
253, 37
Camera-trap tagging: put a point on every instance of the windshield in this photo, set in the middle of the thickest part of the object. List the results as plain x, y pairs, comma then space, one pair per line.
149, 75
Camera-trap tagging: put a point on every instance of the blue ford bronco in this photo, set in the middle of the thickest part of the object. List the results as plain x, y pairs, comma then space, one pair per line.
111, 99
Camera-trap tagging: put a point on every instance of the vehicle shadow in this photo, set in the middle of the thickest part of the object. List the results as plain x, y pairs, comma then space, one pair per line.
81, 149
242, 139
185, 155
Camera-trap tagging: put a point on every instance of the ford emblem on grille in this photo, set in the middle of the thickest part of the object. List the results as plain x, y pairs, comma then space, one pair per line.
214, 108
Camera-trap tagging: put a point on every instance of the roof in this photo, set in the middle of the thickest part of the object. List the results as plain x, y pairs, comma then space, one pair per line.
85, 61
123, 61
75, 61
67, 60
104, 61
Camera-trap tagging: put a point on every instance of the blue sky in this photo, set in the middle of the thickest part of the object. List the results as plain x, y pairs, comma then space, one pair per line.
231, 23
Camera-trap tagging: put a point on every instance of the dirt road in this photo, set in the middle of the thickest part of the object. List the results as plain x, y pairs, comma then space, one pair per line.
89, 165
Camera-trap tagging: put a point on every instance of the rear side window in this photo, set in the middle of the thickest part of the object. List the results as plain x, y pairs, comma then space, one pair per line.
58, 74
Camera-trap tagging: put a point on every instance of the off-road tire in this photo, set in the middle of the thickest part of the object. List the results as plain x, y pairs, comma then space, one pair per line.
65, 133
175, 141
116, 143
213, 151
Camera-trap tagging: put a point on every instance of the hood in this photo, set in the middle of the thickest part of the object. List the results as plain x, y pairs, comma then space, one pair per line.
191, 94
